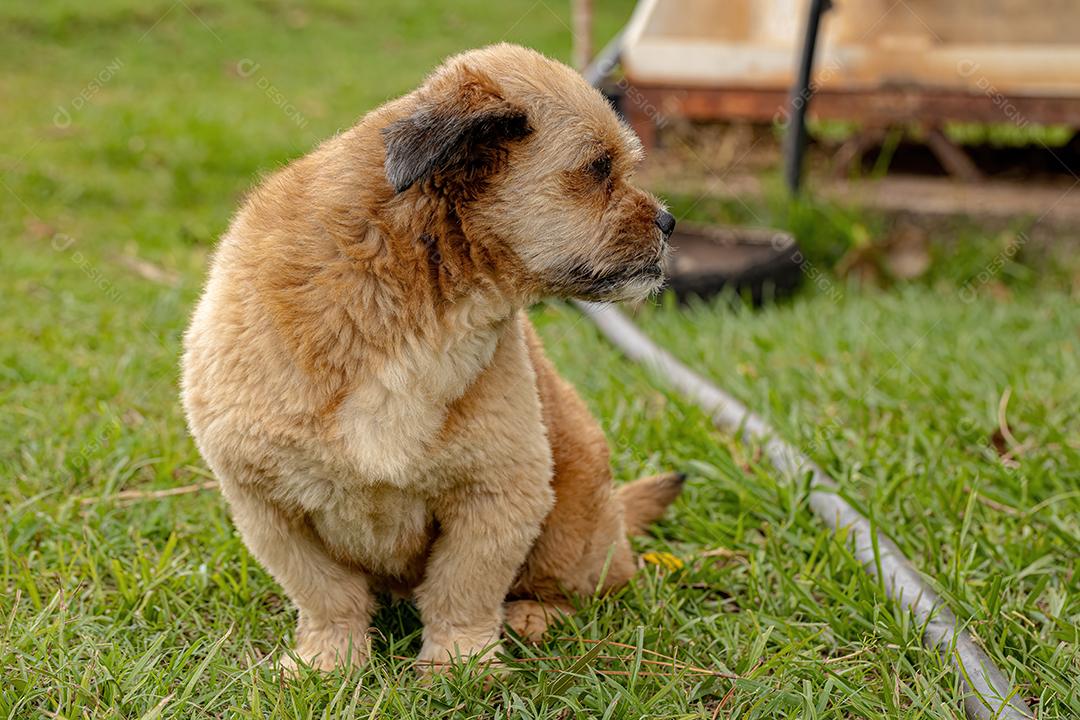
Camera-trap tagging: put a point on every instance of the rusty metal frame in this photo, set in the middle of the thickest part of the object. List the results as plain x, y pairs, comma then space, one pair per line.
874, 107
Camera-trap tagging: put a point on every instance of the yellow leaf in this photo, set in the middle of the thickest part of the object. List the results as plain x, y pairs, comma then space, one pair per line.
664, 559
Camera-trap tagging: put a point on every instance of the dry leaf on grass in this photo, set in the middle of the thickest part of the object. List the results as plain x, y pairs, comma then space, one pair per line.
149, 271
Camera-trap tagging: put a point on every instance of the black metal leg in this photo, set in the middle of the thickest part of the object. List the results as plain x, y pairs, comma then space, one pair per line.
801, 91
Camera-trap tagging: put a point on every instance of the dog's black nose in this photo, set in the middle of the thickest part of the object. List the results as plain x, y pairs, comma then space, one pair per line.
666, 222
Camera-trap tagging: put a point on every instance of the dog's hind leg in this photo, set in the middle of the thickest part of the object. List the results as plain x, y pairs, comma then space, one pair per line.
643, 501
530, 619
583, 546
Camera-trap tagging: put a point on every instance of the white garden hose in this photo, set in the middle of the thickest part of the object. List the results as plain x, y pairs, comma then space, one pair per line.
989, 693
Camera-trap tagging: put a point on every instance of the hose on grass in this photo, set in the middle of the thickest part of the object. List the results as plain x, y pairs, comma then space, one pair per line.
988, 693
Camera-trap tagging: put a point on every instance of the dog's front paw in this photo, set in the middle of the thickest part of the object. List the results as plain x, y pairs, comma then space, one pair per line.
439, 653
326, 647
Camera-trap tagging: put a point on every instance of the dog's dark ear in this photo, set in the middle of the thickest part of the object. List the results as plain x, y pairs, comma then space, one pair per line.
463, 129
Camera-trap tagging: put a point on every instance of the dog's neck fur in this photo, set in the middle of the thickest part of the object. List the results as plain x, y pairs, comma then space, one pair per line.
444, 280
415, 275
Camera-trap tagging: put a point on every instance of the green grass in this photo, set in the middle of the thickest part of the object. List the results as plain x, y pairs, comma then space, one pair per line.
153, 608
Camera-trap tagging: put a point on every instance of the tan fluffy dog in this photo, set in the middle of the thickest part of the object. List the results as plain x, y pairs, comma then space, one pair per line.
361, 378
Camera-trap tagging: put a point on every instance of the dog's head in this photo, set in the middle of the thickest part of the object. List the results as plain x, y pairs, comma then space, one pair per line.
533, 158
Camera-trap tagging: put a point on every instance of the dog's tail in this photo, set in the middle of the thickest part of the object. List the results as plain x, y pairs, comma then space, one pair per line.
645, 500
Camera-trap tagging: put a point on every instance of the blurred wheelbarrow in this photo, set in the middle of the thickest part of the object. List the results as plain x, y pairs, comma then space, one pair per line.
758, 264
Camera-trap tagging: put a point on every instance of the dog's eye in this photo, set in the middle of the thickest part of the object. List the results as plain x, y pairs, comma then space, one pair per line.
600, 168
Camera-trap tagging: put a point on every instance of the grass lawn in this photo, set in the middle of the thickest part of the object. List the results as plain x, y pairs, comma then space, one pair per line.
131, 131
